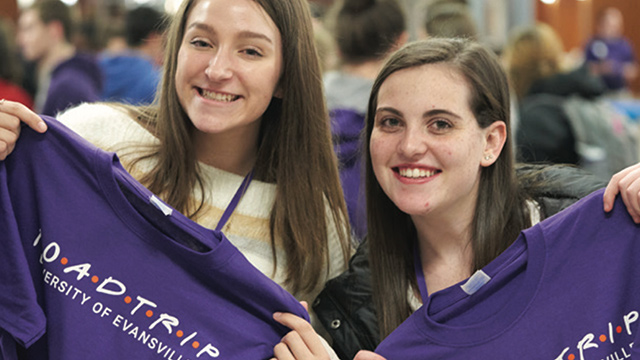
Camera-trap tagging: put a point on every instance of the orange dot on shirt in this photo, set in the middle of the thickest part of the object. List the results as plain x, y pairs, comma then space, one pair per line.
127, 299
603, 338
619, 329
64, 261
179, 333
571, 357
149, 313
195, 344
95, 279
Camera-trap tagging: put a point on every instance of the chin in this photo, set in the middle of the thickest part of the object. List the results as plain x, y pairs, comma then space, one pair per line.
414, 208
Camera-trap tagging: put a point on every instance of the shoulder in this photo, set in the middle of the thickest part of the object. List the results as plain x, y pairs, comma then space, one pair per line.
556, 187
80, 64
106, 126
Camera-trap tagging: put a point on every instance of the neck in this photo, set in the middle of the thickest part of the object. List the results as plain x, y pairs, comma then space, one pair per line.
367, 70
234, 153
59, 53
445, 250
153, 48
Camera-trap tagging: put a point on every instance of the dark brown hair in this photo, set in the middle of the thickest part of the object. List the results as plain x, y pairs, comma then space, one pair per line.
450, 20
55, 10
365, 29
500, 213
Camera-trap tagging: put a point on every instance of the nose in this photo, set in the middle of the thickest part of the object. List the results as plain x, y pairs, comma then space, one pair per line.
413, 143
220, 66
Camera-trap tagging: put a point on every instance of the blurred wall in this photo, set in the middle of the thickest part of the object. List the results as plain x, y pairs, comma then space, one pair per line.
9, 9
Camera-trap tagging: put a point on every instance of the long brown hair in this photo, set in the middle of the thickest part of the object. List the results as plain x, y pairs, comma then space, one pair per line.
500, 213
295, 149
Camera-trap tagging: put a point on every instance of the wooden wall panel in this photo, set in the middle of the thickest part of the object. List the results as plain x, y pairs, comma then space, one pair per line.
570, 18
9, 9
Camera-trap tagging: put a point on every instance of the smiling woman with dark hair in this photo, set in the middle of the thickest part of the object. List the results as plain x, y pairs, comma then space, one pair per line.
444, 200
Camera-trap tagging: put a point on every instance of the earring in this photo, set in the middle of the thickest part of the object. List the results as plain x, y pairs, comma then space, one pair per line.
488, 157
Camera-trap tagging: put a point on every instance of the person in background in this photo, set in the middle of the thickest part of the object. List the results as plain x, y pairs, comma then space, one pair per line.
241, 94
365, 31
325, 43
132, 74
450, 20
11, 68
534, 59
564, 115
609, 54
65, 76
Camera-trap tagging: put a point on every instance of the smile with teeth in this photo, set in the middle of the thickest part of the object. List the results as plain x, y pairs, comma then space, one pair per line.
416, 173
218, 96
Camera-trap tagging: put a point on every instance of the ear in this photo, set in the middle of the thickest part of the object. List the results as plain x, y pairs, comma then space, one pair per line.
56, 29
278, 92
402, 39
495, 138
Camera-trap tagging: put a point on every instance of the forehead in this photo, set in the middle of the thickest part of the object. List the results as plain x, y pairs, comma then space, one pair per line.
246, 15
431, 84
29, 17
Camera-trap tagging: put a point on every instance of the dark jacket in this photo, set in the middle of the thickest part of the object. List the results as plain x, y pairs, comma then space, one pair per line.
544, 132
345, 306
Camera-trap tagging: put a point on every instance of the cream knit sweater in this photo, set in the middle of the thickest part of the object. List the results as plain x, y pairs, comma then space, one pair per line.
112, 129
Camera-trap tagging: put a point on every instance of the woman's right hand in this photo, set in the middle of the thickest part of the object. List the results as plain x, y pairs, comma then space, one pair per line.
11, 114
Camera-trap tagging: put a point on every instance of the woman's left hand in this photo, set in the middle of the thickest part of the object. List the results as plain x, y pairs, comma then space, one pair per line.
302, 342
368, 355
627, 183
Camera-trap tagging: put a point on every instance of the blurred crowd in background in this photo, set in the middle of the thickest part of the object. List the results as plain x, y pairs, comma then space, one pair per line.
572, 106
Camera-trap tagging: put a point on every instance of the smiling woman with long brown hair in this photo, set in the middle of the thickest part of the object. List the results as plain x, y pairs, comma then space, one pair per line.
241, 93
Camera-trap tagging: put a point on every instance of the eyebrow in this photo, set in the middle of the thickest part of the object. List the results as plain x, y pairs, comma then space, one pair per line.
246, 34
426, 114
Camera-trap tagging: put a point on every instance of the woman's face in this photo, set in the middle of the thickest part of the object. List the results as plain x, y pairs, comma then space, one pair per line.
229, 65
426, 146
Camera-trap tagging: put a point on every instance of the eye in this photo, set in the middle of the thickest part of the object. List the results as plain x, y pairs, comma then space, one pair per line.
389, 123
199, 43
440, 125
252, 52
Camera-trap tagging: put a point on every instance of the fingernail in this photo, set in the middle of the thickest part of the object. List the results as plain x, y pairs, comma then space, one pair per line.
277, 315
42, 126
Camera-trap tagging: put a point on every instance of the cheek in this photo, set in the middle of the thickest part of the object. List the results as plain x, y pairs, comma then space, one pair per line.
182, 59
268, 83
463, 150
380, 148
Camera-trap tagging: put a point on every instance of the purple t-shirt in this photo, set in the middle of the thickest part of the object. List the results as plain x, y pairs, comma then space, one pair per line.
74, 81
90, 268
568, 288
616, 51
